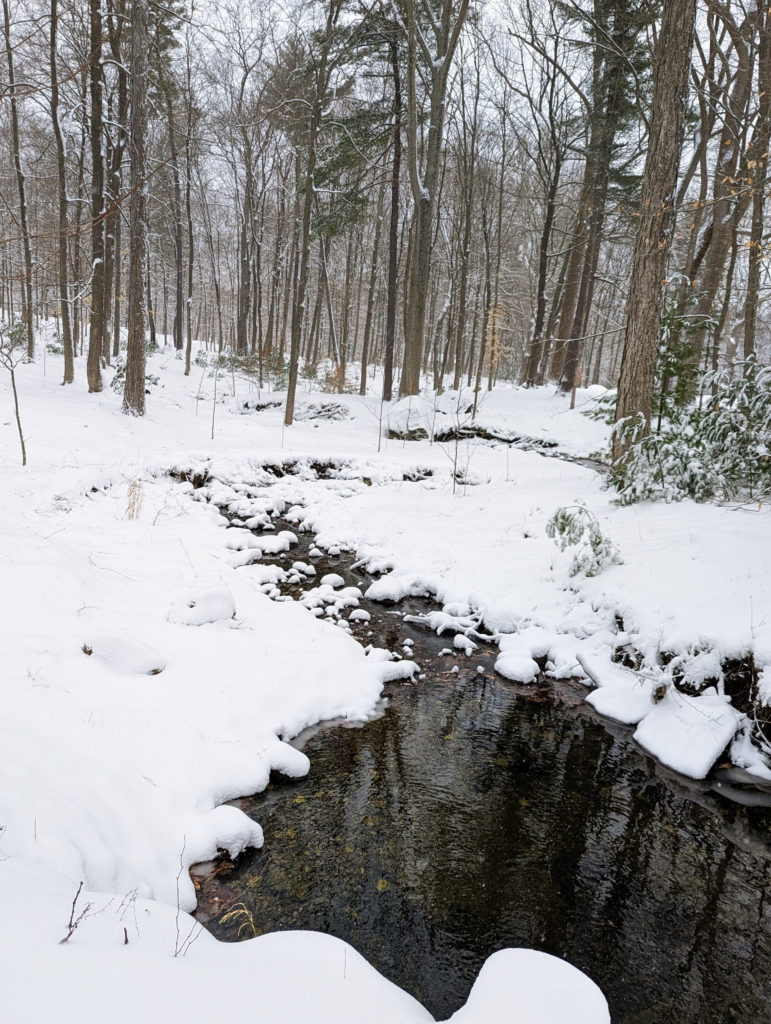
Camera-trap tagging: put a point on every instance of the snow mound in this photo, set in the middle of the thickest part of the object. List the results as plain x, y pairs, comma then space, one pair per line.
278, 542
528, 987
387, 588
124, 653
241, 540
332, 579
321, 411
414, 417
519, 667
463, 643
689, 733
746, 755
212, 605
621, 695
517, 660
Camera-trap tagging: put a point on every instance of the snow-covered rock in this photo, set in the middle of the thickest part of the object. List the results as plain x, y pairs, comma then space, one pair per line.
689, 733
211, 605
623, 695
463, 643
123, 653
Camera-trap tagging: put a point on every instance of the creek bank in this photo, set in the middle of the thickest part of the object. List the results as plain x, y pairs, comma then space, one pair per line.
474, 813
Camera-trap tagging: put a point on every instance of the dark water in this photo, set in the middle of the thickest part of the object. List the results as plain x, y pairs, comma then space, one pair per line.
475, 815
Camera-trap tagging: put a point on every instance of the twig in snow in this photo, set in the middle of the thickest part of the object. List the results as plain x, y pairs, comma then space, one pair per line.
75, 921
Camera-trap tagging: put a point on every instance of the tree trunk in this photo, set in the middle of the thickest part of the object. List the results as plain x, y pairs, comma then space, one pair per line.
190, 233
61, 172
725, 189
116, 22
371, 291
117, 305
26, 288
134, 391
657, 214
467, 199
301, 273
424, 184
176, 211
393, 232
96, 325
760, 146
575, 264
530, 376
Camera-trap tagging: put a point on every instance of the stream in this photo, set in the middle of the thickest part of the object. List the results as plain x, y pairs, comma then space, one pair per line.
476, 814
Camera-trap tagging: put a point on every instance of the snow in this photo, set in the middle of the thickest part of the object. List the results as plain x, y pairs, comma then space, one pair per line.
123, 653
689, 733
464, 643
282, 978
622, 695
528, 987
121, 778
213, 605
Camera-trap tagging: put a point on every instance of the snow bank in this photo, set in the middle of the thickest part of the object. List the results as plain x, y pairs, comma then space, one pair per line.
104, 973
689, 733
528, 987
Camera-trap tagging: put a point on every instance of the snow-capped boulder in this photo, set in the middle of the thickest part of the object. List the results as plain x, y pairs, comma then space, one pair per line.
124, 653
212, 605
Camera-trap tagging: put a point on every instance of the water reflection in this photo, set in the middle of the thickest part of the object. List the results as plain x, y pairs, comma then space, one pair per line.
469, 818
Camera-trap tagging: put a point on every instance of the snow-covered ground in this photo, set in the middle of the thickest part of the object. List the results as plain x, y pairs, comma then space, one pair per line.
112, 569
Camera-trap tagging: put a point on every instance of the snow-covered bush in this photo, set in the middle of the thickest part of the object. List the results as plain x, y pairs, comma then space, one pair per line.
737, 431
577, 526
603, 408
666, 465
721, 453
118, 381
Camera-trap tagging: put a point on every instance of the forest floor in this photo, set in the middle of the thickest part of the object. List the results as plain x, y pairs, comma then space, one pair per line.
149, 676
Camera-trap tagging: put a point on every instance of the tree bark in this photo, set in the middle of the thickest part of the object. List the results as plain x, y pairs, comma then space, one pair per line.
425, 180
26, 290
189, 213
533, 362
760, 146
176, 211
134, 391
301, 273
96, 324
468, 165
393, 232
657, 214
116, 21
371, 291
725, 187
61, 175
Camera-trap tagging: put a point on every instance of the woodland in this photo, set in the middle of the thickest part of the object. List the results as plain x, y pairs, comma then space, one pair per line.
448, 193
385, 481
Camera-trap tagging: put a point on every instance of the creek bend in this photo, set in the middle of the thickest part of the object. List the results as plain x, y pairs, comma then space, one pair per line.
475, 814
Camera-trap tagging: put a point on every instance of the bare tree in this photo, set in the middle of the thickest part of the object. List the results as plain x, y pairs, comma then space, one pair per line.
96, 323
134, 391
61, 180
436, 48
21, 184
